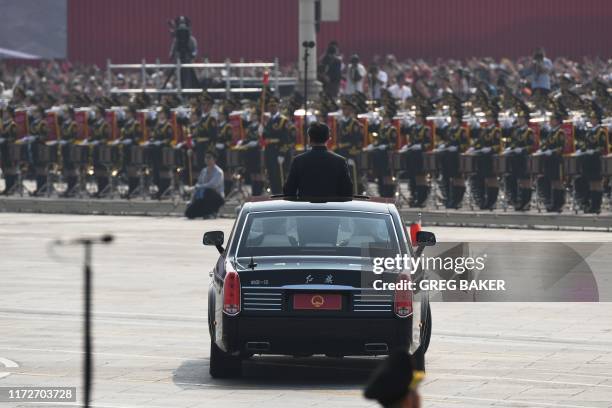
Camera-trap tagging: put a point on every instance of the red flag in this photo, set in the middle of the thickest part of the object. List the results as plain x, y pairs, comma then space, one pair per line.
266, 77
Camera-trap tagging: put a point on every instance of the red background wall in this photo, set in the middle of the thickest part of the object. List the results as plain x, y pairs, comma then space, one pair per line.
129, 30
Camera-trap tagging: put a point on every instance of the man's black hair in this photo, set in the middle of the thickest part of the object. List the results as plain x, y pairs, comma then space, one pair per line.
318, 132
212, 154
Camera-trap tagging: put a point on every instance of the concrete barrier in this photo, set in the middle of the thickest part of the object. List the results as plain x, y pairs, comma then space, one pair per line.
499, 219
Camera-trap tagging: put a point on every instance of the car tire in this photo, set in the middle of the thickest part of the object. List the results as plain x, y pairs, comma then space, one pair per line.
223, 365
426, 331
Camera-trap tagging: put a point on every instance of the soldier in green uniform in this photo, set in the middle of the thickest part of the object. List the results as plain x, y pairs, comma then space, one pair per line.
100, 134
594, 144
384, 142
40, 133
8, 136
350, 140
454, 143
551, 150
521, 145
225, 135
419, 141
130, 134
251, 154
487, 143
279, 137
161, 136
68, 136
205, 132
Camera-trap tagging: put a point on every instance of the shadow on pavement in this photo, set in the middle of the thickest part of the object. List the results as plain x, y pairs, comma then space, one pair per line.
272, 372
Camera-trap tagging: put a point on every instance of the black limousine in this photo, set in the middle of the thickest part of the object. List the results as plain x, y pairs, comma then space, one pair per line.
296, 278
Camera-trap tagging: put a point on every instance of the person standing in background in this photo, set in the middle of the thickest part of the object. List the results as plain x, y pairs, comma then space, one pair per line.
330, 71
355, 74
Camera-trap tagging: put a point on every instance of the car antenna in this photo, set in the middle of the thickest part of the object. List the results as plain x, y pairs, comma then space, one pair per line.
252, 264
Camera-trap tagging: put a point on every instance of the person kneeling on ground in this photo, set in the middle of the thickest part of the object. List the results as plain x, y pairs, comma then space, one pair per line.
209, 191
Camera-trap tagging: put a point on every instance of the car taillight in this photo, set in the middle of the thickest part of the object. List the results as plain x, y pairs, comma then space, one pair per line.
402, 302
231, 291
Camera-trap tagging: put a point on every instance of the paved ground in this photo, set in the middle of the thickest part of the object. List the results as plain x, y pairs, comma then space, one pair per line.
151, 341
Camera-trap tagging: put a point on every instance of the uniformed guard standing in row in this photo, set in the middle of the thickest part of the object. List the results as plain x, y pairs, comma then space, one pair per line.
454, 143
279, 136
225, 135
40, 132
251, 154
419, 141
350, 140
204, 133
594, 144
521, 145
8, 136
484, 183
384, 143
551, 183
130, 134
100, 134
68, 137
161, 137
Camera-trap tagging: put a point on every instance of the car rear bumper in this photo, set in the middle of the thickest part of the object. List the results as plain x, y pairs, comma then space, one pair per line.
304, 336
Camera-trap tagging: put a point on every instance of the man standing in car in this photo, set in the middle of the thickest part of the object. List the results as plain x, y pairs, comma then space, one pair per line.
318, 172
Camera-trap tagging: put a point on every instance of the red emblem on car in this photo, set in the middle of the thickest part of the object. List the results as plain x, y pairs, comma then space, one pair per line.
317, 301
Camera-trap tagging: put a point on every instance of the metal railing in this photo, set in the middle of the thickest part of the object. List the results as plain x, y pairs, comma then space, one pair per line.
240, 80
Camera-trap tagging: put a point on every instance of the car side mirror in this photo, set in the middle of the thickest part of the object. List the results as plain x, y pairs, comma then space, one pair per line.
425, 238
214, 238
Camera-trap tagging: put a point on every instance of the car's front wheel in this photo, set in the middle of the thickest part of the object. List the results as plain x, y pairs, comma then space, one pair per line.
223, 365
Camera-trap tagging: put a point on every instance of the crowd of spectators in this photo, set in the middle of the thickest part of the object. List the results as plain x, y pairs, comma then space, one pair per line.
51, 83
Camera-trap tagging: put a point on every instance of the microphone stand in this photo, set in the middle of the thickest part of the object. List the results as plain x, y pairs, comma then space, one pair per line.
87, 302
87, 358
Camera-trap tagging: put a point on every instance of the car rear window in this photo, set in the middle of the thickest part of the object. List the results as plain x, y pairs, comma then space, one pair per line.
335, 233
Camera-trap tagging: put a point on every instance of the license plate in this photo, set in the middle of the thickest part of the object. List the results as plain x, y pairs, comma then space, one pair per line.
317, 301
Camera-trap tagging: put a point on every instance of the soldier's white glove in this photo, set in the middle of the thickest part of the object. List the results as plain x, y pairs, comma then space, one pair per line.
220, 146
382, 147
417, 146
590, 151
486, 150
404, 149
452, 148
280, 160
252, 143
471, 150
27, 139
548, 152
518, 150
369, 148
260, 129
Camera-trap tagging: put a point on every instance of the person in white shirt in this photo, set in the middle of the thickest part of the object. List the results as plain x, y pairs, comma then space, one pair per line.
377, 81
400, 90
209, 190
355, 75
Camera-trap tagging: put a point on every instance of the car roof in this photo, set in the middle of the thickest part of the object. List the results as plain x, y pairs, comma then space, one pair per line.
287, 204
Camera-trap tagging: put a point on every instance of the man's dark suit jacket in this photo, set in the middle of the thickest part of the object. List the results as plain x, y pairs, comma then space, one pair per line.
319, 173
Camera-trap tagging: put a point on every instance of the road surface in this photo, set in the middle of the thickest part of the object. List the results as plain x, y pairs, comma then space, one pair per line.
151, 340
